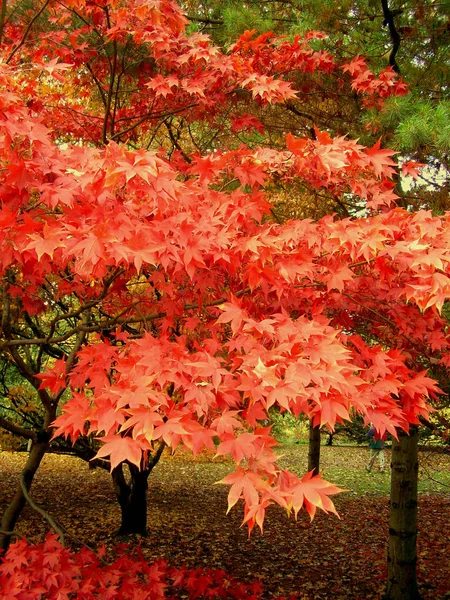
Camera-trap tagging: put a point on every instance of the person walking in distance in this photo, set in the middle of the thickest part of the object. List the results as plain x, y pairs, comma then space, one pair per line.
376, 447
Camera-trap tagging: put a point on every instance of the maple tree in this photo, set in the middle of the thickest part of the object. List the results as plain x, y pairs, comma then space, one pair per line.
155, 289
198, 67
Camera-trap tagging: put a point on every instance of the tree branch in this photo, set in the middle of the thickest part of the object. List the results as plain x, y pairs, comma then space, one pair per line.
40, 510
99, 87
25, 432
2, 18
395, 36
175, 142
6, 309
27, 31
13, 533
118, 320
291, 107
112, 75
155, 458
205, 21
119, 134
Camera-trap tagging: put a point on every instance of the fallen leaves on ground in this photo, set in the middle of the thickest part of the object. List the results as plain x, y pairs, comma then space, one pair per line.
341, 558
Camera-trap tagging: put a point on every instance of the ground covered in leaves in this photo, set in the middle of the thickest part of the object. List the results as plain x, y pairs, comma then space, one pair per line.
329, 558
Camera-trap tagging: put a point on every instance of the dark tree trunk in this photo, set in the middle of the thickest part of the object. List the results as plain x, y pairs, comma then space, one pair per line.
131, 493
15, 507
330, 439
402, 557
314, 448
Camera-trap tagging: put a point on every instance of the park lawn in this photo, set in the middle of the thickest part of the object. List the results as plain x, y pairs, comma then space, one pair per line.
339, 558
345, 465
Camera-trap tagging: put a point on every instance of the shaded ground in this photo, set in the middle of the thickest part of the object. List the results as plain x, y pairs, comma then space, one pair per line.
329, 558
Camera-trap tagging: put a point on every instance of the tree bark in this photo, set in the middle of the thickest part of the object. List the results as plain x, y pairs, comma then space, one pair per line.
132, 493
2, 18
402, 554
132, 497
314, 448
13, 510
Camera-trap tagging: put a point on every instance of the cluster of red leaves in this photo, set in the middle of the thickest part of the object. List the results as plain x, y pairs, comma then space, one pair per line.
374, 89
277, 58
48, 570
163, 71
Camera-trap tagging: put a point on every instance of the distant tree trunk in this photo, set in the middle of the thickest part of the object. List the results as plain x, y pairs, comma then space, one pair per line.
15, 507
402, 557
314, 448
330, 439
131, 493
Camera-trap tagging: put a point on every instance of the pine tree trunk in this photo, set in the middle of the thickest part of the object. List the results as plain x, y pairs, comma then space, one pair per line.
402, 557
15, 507
314, 448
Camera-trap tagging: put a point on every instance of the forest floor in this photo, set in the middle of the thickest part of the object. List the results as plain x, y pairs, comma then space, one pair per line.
329, 558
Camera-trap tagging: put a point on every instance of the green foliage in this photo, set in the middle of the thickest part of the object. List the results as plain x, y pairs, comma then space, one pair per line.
289, 429
419, 126
352, 431
239, 18
18, 404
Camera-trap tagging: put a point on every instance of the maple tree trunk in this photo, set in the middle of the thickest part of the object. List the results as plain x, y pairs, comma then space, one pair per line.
132, 494
15, 507
402, 555
314, 448
132, 497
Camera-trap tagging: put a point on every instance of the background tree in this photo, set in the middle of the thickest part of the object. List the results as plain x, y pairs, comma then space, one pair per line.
402, 553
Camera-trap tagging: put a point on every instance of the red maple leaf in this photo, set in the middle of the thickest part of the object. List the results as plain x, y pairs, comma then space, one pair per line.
121, 449
232, 313
55, 378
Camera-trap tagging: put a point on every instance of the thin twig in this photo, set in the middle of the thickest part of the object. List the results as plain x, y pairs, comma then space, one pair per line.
81, 543
13, 533
205, 21
372, 310
152, 117
107, 324
40, 510
109, 97
27, 31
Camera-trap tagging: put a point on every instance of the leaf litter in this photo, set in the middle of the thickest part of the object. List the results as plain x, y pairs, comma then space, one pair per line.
329, 557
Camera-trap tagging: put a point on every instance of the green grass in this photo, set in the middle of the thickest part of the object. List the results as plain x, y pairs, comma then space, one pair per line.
345, 466
362, 483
